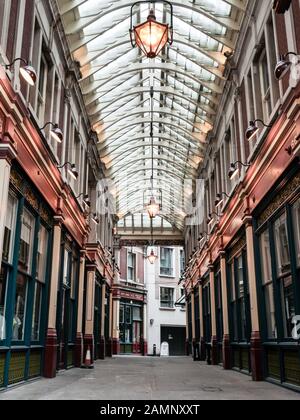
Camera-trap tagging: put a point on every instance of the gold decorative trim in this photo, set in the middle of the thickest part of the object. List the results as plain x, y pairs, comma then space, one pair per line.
280, 199
239, 245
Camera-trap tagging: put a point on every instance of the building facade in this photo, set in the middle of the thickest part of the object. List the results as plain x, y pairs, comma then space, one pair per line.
166, 321
55, 243
242, 278
144, 299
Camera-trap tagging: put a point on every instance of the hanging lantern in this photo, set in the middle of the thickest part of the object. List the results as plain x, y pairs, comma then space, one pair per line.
153, 208
152, 257
151, 36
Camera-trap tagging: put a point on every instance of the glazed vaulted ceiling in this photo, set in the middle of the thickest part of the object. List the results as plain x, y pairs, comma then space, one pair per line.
116, 79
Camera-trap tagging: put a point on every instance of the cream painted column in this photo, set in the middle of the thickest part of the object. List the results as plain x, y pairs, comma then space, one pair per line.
110, 326
202, 340
51, 339
256, 347
90, 310
145, 329
193, 316
102, 331
226, 332
7, 154
116, 321
214, 338
90, 300
79, 335
187, 340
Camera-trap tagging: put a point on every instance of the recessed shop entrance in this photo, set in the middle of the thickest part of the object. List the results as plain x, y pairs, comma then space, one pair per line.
175, 337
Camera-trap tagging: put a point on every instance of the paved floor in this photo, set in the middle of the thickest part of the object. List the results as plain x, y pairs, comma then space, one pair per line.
132, 378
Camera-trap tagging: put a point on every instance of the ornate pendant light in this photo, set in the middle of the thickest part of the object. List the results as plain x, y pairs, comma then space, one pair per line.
152, 257
151, 36
153, 207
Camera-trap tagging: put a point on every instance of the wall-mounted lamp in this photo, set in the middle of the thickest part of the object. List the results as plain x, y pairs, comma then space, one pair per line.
86, 199
210, 219
253, 129
71, 170
95, 218
219, 199
202, 236
55, 132
283, 65
27, 72
234, 169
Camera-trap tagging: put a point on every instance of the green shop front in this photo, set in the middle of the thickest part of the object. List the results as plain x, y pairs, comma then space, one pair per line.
24, 281
277, 238
131, 323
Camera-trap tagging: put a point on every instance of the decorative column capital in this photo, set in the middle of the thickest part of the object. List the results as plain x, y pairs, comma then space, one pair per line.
222, 253
211, 268
58, 220
248, 220
8, 150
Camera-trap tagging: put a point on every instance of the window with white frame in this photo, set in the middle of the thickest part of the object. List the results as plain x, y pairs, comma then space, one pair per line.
42, 89
167, 297
265, 85
166, 262
131, 266
5, 6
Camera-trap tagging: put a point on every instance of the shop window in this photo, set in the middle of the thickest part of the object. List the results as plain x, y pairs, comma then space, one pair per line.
26, 242
166, 262
288, 305
41, 262
282, 246
296, 220
37, 305
240, 306
42, 254
131, 266
166, 297
3, 282
207, 313
137, 314
233, 303
9, 230
18, 328
267, 283
219, 306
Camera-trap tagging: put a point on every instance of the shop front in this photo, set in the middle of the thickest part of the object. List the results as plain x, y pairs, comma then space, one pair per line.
24, 281
277, 235
129, 322
131, 327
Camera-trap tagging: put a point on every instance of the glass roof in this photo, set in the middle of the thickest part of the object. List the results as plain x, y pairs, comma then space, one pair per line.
116, 79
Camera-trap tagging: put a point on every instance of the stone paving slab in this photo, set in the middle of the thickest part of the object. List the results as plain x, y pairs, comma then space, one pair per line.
138, 378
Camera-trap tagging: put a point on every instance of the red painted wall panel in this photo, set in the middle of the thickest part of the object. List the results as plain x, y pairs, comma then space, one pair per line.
123, 263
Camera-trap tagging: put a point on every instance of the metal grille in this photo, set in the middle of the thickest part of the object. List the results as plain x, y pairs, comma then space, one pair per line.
273, 364
292, 367
2, 367
34, 364
16, 371
245, 360
70, 361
